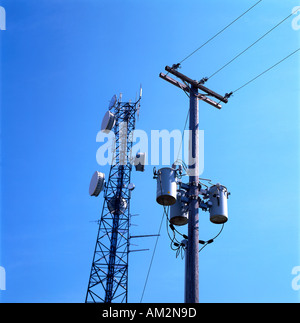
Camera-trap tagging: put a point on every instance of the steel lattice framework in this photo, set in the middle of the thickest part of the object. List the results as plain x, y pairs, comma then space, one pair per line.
108, 281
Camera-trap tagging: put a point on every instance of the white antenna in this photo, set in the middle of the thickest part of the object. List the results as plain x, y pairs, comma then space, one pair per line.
138, 110
112, 102
96, 184
139, 105
131, 186
108, 122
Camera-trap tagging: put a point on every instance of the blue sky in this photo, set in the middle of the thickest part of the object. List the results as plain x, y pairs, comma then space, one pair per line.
62, 61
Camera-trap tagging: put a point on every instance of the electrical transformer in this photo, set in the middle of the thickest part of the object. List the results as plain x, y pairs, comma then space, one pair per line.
179, 212
166, 192
218, 196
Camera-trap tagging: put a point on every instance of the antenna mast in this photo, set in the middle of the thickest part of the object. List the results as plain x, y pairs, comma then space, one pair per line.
108, 280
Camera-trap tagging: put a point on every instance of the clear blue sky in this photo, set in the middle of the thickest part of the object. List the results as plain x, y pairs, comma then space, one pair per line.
62, 61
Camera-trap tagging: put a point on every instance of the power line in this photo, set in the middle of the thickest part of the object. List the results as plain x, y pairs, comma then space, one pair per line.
220, 32
153, 255
259, 39
264, 72
205, 243
186, 120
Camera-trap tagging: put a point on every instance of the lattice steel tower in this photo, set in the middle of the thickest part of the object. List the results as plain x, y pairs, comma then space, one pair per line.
108, 280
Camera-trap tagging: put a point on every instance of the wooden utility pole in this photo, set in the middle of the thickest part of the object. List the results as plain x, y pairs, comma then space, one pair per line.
192, 253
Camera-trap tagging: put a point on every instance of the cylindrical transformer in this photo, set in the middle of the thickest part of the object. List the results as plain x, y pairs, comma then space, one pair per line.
166, 192
218, 196
179, 213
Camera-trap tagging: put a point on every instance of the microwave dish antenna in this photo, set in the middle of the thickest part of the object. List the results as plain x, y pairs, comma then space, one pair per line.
96, 184
112, 102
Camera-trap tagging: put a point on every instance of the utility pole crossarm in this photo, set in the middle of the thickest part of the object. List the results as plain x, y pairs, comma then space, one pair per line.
196, 84
187, 90
209, 101
174, 82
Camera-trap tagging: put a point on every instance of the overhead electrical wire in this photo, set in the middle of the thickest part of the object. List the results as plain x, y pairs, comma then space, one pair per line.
264, 72
182, 135
205, 243
175, 245
220, 32
180, 246
164, 213
205, 43
245, 50
267, 70
176, 66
